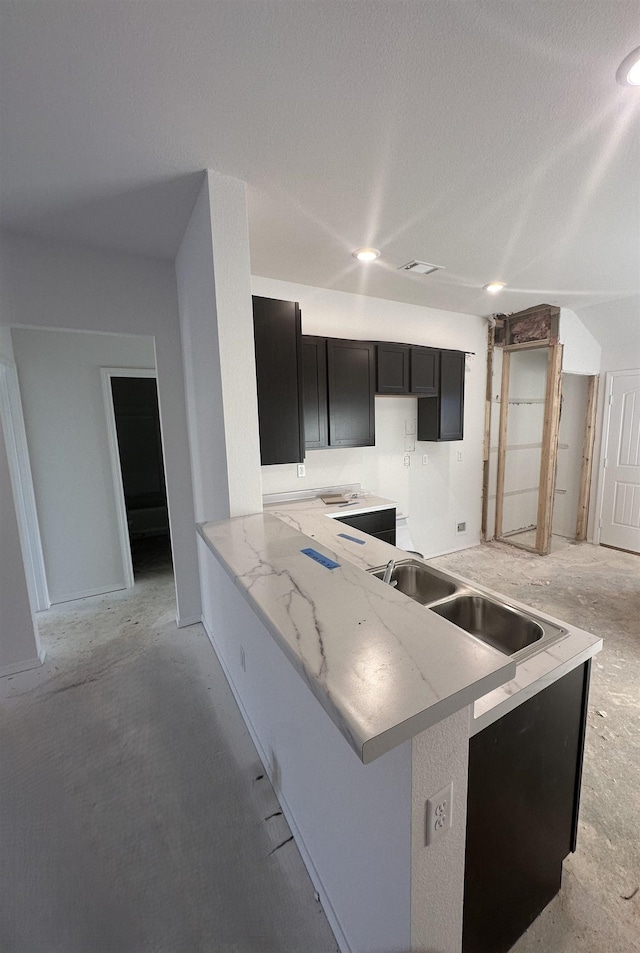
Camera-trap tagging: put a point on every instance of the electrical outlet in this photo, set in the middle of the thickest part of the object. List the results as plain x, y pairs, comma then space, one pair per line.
459, 456
407, 460
461, 527
301, 469
425, 459
439, 813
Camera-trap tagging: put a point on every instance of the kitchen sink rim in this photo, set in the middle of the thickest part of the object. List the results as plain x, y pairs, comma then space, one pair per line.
552, 632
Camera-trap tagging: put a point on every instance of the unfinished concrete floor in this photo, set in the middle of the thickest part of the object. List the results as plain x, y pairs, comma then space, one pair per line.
135, 816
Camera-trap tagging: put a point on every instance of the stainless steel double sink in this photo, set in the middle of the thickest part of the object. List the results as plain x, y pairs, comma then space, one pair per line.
511, 631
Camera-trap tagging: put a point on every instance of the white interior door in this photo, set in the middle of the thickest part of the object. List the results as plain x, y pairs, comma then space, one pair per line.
620, 514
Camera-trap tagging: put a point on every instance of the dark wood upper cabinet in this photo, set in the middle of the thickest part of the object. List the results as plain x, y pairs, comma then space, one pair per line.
314, 375
278, 345
339, 379
407, 369
442, 417
425, 366
350, 393
392, 372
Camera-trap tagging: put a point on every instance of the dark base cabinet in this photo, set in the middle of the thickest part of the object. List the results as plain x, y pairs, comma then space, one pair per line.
522, 812
381, 524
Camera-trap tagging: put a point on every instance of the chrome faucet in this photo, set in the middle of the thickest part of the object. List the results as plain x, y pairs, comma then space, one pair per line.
391, 565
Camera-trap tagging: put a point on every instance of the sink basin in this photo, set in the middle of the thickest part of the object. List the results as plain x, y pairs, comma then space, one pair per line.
500, 626
418, 581
511, 631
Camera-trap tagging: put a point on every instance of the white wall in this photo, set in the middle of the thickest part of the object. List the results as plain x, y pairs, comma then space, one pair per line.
51, 285
581, 352
352, 821
212, 272
616, 327
201, 355
527, 385
570, 441
445, 491
66, 424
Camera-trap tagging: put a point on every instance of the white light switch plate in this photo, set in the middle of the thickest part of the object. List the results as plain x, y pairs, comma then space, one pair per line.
409, 444
410, 426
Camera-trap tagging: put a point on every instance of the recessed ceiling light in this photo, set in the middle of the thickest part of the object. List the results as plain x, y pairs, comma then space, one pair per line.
494, 287
629, 70
366, 254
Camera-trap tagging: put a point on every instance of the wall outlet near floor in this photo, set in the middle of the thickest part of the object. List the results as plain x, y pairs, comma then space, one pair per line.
439, 813
301, 469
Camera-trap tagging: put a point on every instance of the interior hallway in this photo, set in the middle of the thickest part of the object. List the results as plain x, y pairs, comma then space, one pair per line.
135, 815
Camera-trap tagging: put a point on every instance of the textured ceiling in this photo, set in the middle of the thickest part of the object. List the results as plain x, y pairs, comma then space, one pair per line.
488, 137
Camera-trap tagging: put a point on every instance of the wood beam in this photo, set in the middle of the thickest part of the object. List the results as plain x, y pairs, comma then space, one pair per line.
587, 458
549, 457
502, 441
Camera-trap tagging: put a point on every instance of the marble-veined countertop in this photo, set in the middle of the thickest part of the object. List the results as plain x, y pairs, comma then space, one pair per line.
382, 666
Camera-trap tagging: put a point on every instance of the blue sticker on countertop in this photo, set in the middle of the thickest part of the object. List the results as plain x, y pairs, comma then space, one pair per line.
319, 558
354, 539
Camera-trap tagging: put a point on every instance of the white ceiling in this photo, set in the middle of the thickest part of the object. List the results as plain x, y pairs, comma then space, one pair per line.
488, 136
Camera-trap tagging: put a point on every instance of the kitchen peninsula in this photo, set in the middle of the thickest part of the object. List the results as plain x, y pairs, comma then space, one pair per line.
296, 619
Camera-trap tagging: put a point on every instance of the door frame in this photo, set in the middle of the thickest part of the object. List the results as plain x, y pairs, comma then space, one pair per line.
22, 484
106, 374
610, 377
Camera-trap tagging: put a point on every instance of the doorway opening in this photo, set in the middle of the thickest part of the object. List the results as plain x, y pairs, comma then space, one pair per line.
131, 398
545, 423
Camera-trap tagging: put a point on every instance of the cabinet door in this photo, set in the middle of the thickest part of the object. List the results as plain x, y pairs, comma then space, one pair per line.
351, 382
278, 346
442, 417
425, 363
392, 368
522, 811
451, 395
314, 378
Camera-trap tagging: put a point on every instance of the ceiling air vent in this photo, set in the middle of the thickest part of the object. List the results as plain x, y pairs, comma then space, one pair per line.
420, 267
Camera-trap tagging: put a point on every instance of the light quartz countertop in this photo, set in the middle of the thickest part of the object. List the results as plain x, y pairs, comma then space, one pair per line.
382, 666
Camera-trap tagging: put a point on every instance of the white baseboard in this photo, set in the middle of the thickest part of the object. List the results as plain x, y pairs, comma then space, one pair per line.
183, 621
25, 666
286, 810
87, 593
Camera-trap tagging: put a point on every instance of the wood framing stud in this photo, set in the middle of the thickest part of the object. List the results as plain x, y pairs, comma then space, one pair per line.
502, 441
587, 459
487, 433
549, 458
